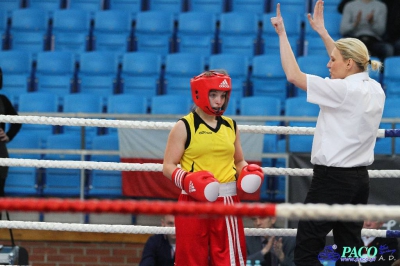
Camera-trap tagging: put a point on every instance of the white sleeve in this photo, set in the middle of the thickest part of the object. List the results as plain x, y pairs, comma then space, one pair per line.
326, 92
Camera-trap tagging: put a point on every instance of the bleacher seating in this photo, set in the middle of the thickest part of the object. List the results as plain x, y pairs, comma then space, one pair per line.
179, 69
240, 37
133, 6
82, 103
101, 183
196, 33
141, 74
268, 77
215, 6
29, 30
55, 73
40, 102
174, 6
154, 32
4, 30
92, 6
10, 5
62, 182
168, 104
24, 181
98, 73
71, 30
391, 76
112, 31
254, 6
17, 73
49, 5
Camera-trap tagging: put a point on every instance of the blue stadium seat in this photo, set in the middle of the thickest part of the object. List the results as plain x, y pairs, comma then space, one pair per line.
260, 106
141, 74
391, 76
329, 5
391, 110
269, 43
196, 33
105, 184
126, 104
98, 73
133, 6
154, 32
179, 69
4, 30
215, 6
42, 103
92, 6
17, 70
174, 6
300, 7
112, 31
62, 182
255, 6
23, 181
313, 44
55, 72
237, 67
298, 106
268, 77
71, 30
83, 103
240, 37
49, 5
10, 5
315, 65
171, 104
29, 30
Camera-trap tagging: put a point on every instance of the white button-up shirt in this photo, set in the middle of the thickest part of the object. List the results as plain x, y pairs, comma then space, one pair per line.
348, 121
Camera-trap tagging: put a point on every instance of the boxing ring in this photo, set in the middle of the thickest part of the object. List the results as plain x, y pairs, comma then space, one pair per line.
282, 210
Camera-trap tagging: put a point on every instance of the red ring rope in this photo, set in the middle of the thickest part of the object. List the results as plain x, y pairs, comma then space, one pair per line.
135, 207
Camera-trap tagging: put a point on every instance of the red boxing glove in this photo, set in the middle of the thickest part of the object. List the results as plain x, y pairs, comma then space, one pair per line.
250, 179
201, 185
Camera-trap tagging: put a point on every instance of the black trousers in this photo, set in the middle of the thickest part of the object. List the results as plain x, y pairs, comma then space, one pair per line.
332, 185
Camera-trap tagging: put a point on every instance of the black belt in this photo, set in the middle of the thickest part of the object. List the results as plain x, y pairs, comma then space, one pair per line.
323, 167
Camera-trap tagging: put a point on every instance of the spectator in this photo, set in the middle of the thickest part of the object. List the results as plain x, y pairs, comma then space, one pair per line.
6, 108
366, 20
159, 250
269, 250
388, 248
393, 24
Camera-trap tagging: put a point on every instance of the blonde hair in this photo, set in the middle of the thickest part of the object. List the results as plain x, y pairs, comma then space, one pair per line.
352, 48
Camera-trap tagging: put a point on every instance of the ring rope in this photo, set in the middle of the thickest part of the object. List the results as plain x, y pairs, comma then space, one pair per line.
156, 167
165, 125
291, 211
138, 229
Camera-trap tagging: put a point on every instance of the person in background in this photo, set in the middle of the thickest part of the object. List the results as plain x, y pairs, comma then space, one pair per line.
270, 250
351, 106
6, 108
366, 21
393, 25
388, 247
159, 249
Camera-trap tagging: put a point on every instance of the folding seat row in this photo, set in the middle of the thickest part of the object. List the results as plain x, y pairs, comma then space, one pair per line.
60, 182
113, 30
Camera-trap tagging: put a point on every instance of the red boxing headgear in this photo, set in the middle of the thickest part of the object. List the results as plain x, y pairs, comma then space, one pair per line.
202, 84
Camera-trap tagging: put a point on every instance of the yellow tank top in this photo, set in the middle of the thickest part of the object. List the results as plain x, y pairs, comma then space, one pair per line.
210, 149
